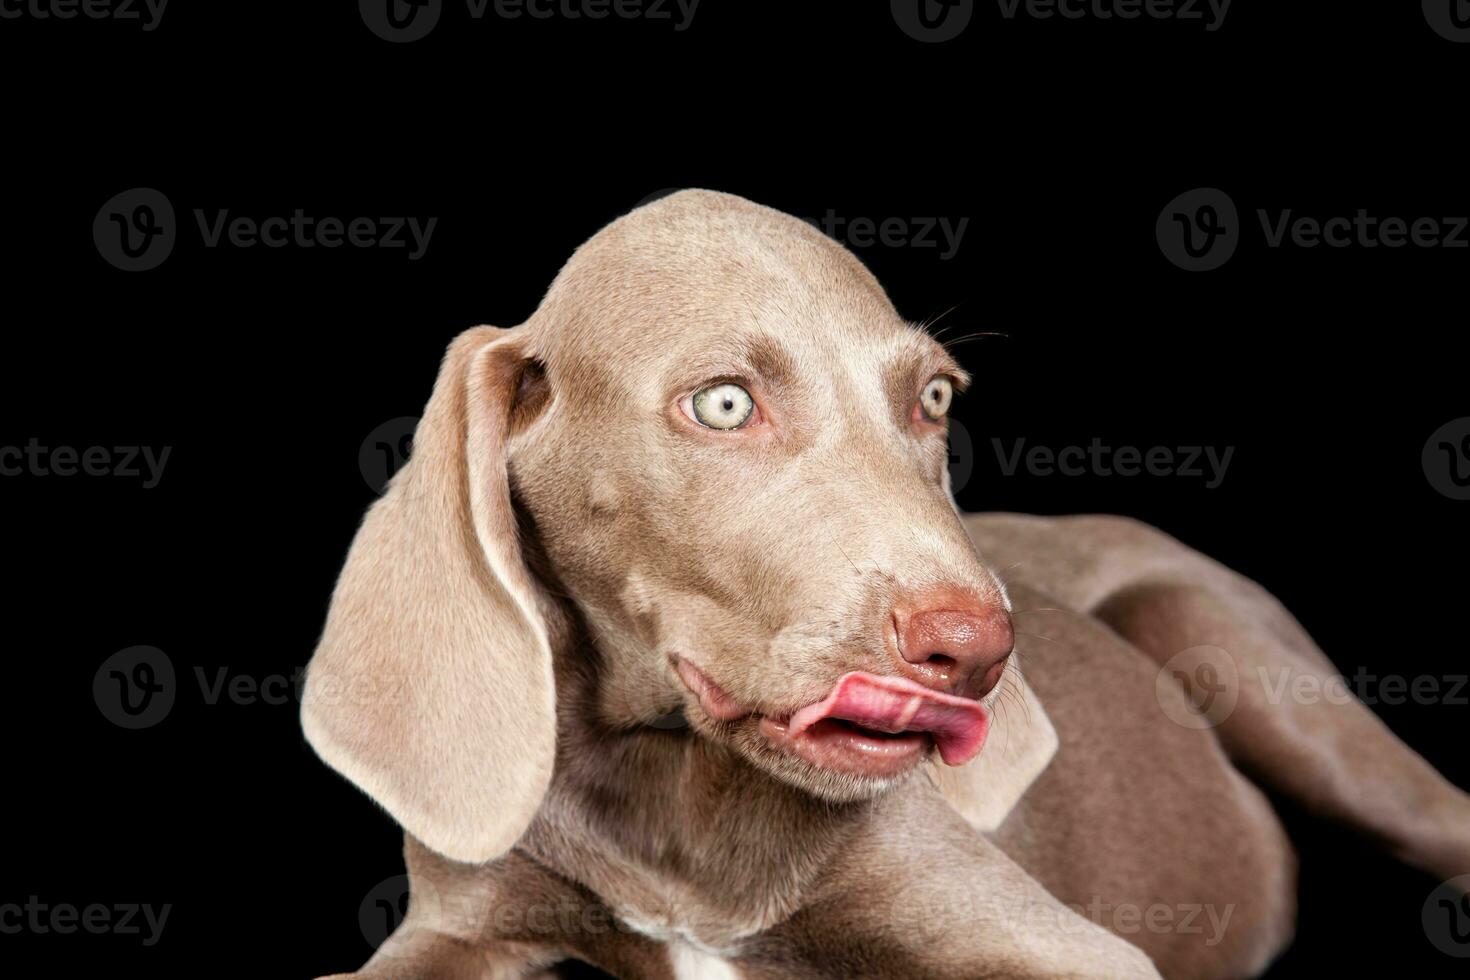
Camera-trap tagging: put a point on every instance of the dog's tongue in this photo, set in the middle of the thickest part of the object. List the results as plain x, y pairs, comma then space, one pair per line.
891, 704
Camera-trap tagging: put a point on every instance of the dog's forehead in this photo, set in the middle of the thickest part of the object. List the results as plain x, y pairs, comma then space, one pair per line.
701, 270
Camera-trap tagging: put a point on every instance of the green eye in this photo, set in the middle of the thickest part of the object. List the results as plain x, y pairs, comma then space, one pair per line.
938, 393
722, 406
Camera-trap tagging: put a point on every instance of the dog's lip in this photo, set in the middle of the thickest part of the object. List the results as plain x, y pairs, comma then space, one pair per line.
901, 716
895, 705
830, 743
712, 698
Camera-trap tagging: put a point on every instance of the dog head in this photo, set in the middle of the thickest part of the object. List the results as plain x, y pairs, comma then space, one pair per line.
729, 452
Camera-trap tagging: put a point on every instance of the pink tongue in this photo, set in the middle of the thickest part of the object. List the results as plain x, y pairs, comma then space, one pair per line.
891, 704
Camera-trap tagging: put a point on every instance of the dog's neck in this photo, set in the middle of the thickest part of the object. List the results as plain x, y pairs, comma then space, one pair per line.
673, 830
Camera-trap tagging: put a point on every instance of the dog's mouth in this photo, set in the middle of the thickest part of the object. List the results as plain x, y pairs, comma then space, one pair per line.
867, 725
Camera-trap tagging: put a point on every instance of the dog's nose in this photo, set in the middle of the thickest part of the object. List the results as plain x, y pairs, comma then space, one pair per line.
959, 647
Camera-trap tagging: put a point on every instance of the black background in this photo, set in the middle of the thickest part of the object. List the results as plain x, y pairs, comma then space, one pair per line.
266, 369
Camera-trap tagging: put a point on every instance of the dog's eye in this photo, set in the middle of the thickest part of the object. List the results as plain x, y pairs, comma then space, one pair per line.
722, 406
938, 393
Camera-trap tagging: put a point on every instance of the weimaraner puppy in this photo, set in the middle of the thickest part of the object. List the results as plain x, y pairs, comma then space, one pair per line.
708, 476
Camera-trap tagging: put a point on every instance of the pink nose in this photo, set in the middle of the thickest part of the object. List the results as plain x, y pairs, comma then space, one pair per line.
960, 647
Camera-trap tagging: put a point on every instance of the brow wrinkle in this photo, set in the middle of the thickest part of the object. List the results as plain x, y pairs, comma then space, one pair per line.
769, 358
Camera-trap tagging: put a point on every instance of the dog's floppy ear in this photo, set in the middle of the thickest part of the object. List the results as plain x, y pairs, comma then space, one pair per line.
1021, 746
432, 686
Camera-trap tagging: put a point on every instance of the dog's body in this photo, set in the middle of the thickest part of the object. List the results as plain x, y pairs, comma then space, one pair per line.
556, 590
